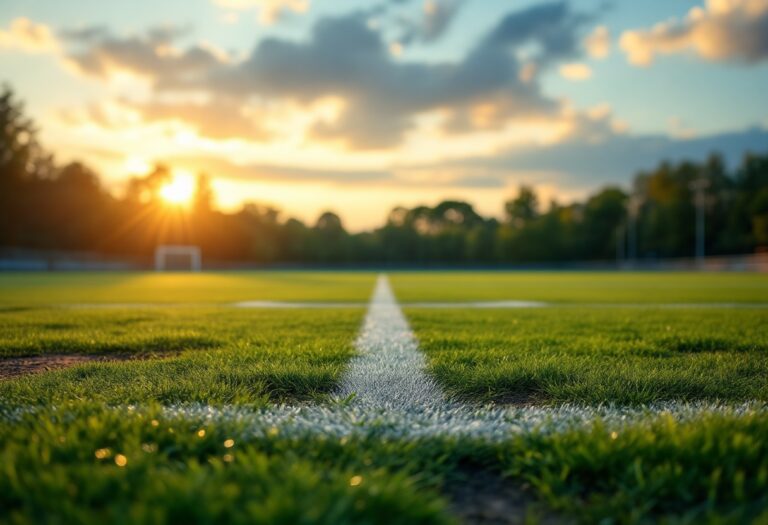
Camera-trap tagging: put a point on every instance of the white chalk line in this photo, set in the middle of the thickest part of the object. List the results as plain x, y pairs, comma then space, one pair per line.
487, 424
511, 304
389, 371
502, 305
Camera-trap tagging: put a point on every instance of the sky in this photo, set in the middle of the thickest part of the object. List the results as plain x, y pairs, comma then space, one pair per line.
358, 107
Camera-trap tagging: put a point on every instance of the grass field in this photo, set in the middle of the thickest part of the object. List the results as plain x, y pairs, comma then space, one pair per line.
597, 355
581, 287
171, 430
39, 289
208, 354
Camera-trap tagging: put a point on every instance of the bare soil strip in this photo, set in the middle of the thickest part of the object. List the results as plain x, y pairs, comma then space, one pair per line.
20, 366
11, 367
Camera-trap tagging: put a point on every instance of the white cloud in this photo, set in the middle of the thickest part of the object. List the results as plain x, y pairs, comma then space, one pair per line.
25, 35
598, 43
576, 71
722, 30
270, 11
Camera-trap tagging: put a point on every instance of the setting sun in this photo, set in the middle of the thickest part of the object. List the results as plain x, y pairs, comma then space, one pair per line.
179, 190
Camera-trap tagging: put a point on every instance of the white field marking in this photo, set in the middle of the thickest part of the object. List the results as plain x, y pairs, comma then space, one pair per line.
486, 424
433, 422
390, 371
501, 305
289, 305
480, 304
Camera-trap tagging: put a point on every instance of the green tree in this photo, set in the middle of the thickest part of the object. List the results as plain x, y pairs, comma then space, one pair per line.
523, 209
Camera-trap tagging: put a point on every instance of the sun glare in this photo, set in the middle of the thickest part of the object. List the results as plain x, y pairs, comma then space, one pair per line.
179, 190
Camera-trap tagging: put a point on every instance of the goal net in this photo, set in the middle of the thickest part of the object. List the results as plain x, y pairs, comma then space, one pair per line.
178, 258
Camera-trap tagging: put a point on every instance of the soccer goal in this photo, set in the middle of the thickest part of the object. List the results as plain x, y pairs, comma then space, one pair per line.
178, 258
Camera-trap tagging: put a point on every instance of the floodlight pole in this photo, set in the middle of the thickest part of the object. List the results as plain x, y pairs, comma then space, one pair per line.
699, 188
635, 201
621, 243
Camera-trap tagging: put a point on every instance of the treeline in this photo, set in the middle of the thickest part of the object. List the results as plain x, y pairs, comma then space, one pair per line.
51, 207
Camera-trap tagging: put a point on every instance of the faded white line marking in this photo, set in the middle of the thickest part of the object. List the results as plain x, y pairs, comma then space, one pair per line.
289, 305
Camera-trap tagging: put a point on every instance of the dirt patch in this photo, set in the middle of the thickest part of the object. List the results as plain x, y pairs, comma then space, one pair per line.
11, 367
480, 497
520, 400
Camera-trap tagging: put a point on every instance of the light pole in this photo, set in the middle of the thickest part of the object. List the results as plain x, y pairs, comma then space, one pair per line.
621, 244
635, 201
699, 188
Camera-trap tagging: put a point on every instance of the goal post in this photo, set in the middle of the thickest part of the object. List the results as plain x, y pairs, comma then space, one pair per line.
172, 257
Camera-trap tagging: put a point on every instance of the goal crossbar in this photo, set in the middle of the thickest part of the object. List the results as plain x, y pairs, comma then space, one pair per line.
164, 251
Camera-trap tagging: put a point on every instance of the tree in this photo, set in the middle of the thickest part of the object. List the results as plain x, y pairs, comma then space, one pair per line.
330, 239
18, 140
523, 209
604, 213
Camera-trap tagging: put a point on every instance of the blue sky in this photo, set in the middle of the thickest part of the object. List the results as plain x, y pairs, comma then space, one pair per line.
361, 106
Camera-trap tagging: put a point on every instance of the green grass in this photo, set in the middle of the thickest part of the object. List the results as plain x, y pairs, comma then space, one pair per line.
581, 287
30, 289
62, 466
66, 467
710, 470
713, 470
210, 355
597, 355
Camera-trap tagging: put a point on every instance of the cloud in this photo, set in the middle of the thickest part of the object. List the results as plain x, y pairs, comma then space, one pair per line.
270, 11
583, 164
575, 71
218, 167
404, 176
434, 19
598, 42
381, 98
30, 37
346, 58
723, 30
589, 158
96, 52
218, 119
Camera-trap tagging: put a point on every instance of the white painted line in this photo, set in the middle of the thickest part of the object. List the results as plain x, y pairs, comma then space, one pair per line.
290, 305
502, 305
480, 304
485, 424
390, 371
